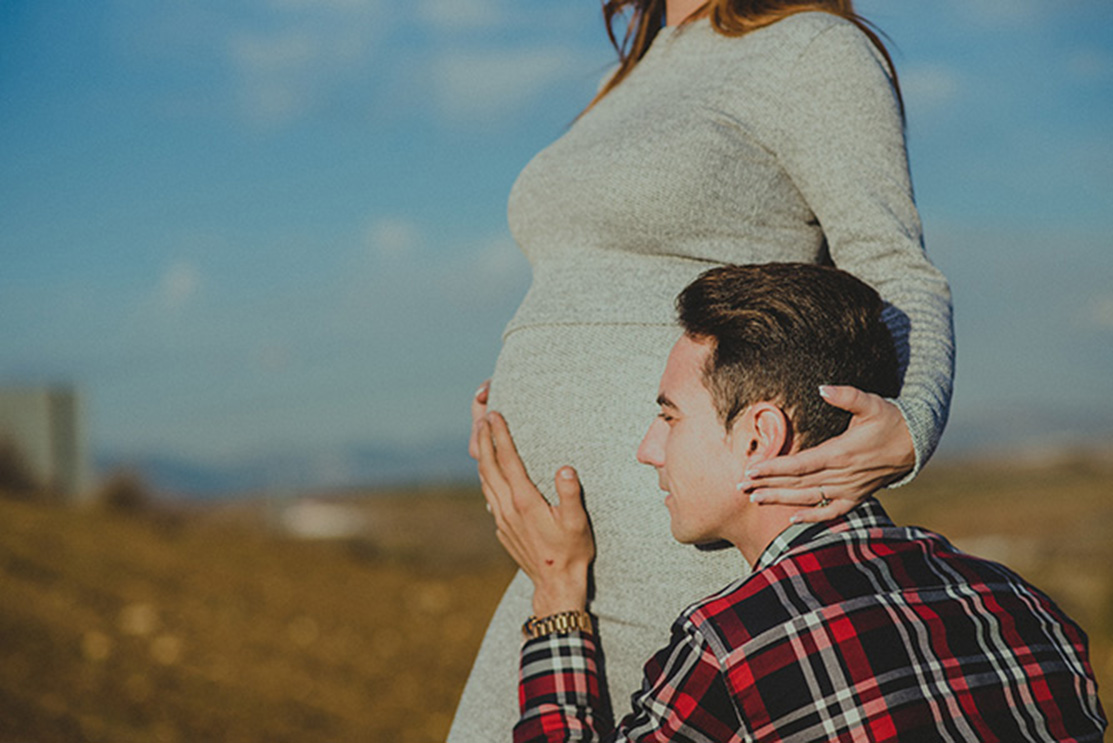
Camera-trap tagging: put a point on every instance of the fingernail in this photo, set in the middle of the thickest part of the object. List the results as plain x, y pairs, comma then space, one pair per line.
567, 473
755, 498
824, 391
479, 391
744, 485
750, 473
794, 520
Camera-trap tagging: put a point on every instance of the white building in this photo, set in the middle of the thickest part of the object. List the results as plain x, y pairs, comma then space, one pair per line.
45, 428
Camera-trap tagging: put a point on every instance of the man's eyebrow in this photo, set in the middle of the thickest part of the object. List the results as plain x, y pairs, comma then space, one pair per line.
665, 402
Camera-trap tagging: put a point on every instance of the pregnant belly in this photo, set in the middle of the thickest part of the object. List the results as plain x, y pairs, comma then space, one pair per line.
583, 395
580, 395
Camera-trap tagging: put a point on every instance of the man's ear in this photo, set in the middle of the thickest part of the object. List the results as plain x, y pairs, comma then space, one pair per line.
761, 432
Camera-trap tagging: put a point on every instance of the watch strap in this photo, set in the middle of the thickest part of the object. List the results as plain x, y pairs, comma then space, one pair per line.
557, 624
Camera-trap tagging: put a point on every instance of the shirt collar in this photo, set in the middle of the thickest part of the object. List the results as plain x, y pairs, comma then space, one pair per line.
866, 515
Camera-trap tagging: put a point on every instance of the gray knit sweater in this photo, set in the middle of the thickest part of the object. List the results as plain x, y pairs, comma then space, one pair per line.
781, 145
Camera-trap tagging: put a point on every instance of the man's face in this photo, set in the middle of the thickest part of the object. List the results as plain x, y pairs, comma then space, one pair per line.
690, 449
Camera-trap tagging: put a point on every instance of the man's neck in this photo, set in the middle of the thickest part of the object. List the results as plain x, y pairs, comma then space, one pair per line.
763, 525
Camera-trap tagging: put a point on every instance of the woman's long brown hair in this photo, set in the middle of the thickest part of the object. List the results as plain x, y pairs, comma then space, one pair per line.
728, 17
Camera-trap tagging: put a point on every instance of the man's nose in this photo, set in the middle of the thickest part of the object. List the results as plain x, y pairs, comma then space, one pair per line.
651, 451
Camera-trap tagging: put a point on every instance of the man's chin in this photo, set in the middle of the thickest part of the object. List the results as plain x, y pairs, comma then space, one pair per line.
702, 544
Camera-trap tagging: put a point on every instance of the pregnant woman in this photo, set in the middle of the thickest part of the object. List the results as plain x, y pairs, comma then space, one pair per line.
733, 131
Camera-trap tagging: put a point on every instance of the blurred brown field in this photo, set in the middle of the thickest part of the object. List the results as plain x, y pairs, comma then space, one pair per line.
185, 623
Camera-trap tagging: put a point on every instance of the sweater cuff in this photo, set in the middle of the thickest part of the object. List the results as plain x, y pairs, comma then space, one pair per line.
921, 427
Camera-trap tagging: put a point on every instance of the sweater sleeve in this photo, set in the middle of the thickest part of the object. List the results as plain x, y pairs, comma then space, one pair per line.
841, 140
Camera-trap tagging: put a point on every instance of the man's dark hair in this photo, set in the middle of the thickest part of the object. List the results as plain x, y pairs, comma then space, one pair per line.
780, 330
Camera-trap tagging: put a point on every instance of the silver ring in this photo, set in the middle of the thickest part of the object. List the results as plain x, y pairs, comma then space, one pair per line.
824, 501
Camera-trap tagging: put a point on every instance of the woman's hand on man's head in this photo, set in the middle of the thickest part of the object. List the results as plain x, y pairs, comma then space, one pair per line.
833, 477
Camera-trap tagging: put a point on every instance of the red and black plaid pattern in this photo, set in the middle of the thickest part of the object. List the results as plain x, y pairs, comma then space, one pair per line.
856, 630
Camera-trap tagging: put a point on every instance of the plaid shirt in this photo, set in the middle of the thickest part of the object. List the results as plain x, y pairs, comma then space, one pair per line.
846, 631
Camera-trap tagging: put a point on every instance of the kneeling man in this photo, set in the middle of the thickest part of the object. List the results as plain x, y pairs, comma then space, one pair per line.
855, 629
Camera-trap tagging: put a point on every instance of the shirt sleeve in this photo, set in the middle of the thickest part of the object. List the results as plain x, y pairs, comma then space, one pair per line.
683, 696
842, 143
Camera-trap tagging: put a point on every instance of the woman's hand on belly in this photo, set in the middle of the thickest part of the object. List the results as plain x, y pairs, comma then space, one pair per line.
874, 451
478, 411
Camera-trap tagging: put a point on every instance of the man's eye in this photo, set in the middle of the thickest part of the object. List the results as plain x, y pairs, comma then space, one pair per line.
665, 417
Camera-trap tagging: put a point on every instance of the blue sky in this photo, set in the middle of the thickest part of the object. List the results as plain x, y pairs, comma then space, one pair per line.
256, 226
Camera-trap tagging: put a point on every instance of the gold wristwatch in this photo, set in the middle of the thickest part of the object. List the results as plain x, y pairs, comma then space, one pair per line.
559, 624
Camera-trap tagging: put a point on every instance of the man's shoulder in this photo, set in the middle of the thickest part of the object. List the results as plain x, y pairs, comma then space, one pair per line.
905, 605
851, 565
745, 608
835, 565
771, 597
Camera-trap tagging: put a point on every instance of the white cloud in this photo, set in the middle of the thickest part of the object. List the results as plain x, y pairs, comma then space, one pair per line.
1098, 313
178, 285
434, 285
1004, 12
491, 275
273, 73
1091, 65
275, 54
274, 62
392, 237
355, 6
273, 357
485, 85
461, 15
930, 87
305, 54
278, 59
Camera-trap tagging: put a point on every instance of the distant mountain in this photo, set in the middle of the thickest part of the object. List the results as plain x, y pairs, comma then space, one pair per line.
361, 465
1023, 433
